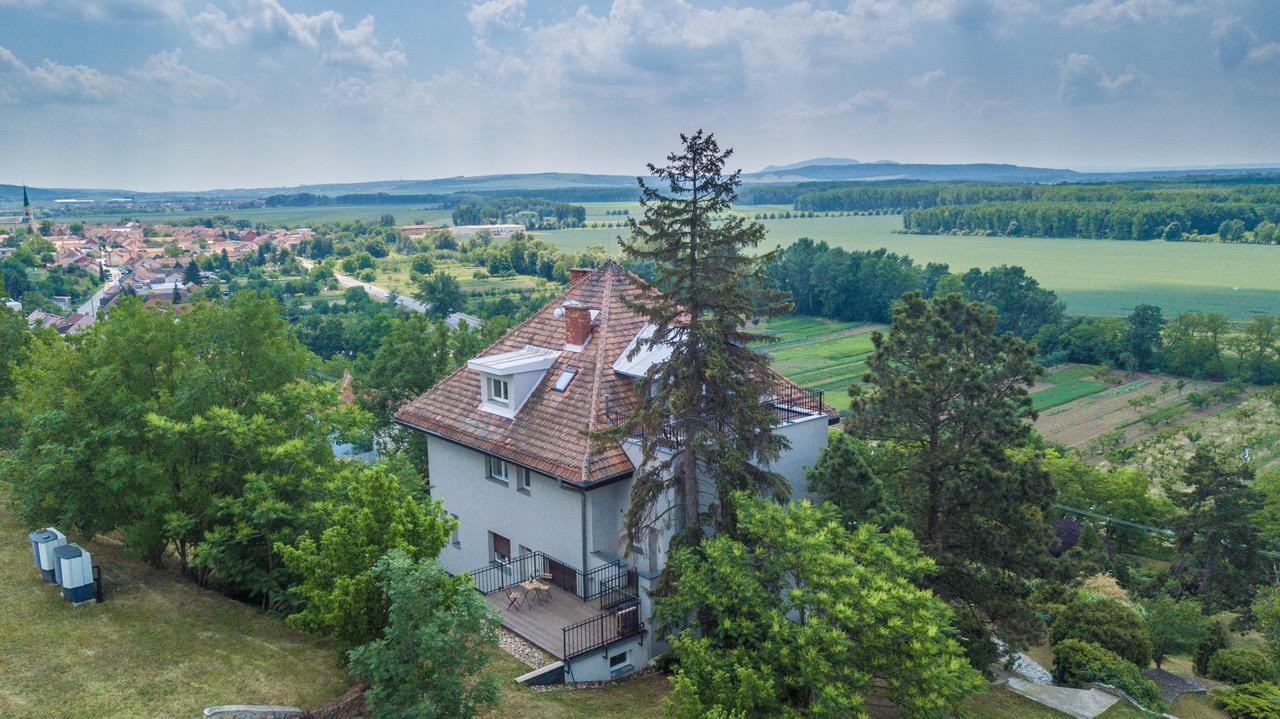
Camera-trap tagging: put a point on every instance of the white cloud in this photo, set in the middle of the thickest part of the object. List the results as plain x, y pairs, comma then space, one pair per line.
1113, 13
655, 50
926, 79
1083, 80
491, 13
1236, 43
52, 81
268, 23
163, 80
176, 82
873, 101
996, 16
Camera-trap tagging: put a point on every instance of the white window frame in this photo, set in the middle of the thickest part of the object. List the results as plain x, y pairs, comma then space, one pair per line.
498, 391
456, 538
524, 480
496, 469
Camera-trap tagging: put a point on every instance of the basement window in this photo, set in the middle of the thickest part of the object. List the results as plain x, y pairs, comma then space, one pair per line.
562, 382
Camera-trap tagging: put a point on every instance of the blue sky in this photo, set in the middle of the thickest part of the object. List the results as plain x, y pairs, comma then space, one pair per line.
191, 94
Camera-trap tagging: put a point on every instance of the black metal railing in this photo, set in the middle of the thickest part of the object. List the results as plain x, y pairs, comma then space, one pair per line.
790, 402
611, 584
606, 585
621, 621
793, 401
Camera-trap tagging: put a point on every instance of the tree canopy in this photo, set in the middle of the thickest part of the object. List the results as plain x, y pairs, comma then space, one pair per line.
800, 617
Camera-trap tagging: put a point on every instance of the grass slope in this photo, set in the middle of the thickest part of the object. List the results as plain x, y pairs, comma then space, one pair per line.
158, 647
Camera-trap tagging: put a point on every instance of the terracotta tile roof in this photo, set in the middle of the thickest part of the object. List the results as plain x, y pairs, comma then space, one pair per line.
548, 434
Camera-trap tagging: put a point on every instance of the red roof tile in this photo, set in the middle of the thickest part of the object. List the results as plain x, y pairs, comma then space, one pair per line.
549, 433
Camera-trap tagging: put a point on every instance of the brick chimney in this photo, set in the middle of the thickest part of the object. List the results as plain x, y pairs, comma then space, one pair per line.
577, 274
577, 323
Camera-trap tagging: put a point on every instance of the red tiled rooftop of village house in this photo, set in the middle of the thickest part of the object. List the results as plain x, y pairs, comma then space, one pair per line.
549, 433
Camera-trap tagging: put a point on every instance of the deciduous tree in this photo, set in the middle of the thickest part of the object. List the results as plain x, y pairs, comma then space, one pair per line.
428, 661
802, 618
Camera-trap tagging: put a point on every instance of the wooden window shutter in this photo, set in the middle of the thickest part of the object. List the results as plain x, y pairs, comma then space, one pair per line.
501, 545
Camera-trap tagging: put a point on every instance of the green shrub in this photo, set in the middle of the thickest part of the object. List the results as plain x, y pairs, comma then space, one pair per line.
1076, 663
1109, 623
1216, 639
1259, 700
1240, 666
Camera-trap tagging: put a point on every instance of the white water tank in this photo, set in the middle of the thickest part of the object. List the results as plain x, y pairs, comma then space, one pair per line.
43, 542
74, 573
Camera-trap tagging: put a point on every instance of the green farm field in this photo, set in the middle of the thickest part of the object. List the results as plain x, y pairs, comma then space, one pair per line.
820, 354
1094, 277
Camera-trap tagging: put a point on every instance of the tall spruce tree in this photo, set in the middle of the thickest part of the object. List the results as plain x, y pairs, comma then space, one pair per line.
949, 399
705, 290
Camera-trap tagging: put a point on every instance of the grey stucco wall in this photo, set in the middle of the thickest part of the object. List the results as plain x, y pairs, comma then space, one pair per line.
547, 519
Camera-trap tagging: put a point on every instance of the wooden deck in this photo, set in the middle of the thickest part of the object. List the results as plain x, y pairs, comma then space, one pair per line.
543, 622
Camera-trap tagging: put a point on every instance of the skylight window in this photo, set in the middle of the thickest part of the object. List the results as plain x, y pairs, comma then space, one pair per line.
562, 382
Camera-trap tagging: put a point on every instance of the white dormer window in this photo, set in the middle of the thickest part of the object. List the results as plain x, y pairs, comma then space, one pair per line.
507, 379
499, 391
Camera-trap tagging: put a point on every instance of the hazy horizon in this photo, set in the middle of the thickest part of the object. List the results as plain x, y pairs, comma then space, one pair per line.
193, 95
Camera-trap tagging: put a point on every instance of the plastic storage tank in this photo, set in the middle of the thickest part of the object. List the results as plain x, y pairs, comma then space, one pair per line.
74, 573
43, 542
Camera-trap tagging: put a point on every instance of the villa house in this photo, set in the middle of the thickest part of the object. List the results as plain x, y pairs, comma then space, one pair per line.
540, 506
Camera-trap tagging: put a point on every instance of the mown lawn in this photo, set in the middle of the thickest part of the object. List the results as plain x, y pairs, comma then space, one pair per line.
158, 647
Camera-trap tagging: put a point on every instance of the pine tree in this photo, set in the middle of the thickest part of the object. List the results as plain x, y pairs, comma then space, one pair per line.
708, 393
949, 398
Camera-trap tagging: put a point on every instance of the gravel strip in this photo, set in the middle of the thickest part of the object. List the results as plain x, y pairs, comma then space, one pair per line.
522, 650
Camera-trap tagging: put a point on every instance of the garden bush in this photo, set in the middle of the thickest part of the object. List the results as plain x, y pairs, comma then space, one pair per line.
1216, 639
1109, 623
1076, 663
1240, 666
1258, 700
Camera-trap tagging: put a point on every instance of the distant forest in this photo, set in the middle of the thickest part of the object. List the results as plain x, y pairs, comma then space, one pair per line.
1239, 209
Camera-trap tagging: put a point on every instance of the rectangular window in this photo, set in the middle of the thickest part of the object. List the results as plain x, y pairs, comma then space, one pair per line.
499, 391
617, 660
524, 479
456, 538
497, 469
499, 548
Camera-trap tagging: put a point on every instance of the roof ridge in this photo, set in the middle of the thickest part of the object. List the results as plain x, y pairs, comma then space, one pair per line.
606, 301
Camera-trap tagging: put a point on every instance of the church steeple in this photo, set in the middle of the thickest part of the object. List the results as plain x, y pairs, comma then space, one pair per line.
27, 218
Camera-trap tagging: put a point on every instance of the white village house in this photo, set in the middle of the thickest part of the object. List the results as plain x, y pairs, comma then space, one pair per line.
540, 506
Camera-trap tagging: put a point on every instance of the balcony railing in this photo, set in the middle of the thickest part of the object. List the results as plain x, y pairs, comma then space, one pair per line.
619, 622
603, 584
790, 403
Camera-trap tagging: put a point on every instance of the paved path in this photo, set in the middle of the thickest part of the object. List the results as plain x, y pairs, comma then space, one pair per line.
91, 305
1079, 703
409, 303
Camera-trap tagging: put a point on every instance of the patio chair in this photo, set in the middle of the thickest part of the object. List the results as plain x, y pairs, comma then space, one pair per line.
514, 600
